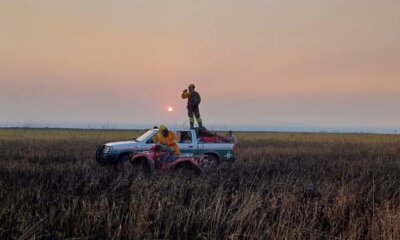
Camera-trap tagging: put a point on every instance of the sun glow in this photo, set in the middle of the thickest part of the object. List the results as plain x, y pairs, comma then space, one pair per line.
170, 109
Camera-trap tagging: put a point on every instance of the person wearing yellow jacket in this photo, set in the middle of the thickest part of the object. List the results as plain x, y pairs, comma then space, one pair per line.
168, 138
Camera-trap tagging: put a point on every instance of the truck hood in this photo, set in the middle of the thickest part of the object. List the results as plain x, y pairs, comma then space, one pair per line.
122, 144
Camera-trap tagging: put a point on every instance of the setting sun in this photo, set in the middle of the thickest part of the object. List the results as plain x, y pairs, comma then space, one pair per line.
170, 109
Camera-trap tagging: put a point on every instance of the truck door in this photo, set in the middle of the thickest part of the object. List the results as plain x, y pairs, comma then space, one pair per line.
186, 142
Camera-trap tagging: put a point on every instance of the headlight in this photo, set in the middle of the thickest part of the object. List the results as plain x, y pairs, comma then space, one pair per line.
106, 149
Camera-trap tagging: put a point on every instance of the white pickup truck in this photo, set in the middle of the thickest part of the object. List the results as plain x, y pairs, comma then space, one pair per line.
191, 143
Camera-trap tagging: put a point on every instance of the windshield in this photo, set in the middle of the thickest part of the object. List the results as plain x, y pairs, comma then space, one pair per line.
146, 135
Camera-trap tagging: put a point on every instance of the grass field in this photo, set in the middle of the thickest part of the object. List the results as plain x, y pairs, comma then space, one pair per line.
282, 186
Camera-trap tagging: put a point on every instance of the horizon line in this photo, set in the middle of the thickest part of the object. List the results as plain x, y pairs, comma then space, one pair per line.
293, 130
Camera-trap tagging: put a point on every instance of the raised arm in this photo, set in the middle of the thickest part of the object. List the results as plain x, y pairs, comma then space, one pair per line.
185, 95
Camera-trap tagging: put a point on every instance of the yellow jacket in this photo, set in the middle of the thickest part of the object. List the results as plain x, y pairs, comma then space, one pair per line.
170, 140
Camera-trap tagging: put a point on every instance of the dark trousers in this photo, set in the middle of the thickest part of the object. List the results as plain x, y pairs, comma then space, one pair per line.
194, 112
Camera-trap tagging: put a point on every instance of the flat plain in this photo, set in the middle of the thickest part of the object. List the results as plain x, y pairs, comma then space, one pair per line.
282, 186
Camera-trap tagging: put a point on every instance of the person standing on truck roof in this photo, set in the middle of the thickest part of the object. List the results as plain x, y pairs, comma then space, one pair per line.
193, 103
168, 138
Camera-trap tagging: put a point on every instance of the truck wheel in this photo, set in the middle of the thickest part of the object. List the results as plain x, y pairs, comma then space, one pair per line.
141, 167
210, 161
124, 158
187, 170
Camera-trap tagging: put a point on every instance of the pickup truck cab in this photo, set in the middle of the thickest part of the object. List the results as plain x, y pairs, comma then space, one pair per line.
190, 142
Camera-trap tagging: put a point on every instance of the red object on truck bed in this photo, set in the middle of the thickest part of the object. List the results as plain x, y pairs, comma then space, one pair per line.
209, 139
206, 136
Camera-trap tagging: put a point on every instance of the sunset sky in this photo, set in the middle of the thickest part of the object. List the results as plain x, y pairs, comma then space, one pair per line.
276, 64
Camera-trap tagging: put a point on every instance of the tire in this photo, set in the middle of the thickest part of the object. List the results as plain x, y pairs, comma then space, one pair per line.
210, 162
122, 162
187, 171
124, 158
141, 167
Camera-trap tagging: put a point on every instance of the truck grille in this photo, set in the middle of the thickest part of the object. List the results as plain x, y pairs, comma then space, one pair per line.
102, 151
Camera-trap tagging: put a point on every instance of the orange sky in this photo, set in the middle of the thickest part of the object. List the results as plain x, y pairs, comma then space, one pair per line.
256, 63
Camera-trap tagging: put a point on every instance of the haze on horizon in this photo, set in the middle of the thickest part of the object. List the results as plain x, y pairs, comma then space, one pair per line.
255, 63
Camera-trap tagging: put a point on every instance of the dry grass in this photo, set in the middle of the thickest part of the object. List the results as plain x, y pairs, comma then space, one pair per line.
283, 186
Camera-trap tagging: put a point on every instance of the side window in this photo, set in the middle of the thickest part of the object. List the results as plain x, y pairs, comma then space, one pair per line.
185, 137
151, 138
